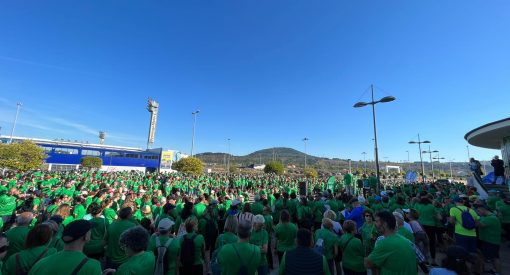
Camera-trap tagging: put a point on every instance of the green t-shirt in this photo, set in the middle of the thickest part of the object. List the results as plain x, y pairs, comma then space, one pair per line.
113, 251
16, 237
368, 234
231, 262
199, 244
353, 254
260, 238
427, 214
490, 229
225, 238
97, 237
7, 205
286, 236
325, 266
199, 210
404, 232
139, 264
329, 241
27, 259
504, 212
79, 211
456, 212
65, 262
109, 215
172, 251
394, 255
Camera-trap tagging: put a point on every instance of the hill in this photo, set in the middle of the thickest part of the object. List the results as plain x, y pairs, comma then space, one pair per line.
294, 158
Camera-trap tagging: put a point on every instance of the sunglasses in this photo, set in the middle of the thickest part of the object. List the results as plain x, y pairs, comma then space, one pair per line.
4, 248
368, 216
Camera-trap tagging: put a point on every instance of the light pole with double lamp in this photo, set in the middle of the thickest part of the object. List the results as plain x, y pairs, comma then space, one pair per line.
305, 140
419, 142
431, 162
373, 102
195, 113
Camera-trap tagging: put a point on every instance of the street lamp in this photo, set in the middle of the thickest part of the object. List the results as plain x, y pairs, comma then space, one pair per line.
419, 142
228, 160
350, 167
408, 161
365, 162
431, 162
195, 113
451, 171
373, 102
18, 106
305, 140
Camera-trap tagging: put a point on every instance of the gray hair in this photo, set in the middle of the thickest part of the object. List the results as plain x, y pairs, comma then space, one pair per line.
24, 219
244, 229
135, 238
231, 224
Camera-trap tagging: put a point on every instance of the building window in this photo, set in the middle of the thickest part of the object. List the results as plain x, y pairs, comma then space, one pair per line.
134, 156
90, 153
66, 151
114, 154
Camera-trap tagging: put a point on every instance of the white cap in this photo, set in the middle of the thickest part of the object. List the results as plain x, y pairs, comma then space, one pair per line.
165, 224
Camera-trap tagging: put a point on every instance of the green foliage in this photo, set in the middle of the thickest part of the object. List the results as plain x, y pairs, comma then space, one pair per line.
274, 167
233, 169
91, 162
21, 156
189, 165
311, 173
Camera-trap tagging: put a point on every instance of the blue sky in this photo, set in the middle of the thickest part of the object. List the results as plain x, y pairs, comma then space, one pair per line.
263, 73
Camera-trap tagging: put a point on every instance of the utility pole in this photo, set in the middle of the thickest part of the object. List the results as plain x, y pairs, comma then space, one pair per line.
18, 106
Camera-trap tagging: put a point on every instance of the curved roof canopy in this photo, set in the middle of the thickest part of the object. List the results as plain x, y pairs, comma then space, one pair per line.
489, 135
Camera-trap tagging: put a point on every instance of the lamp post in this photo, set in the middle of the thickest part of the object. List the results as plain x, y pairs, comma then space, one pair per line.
431, 162
373, 102
195, 113
364, 162
18, 106
305, 140
350, 167
451, 171
228, 160
419, 142
408, 161
469, 155
439, 162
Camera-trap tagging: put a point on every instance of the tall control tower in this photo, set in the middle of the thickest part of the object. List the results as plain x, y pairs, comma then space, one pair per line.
152, 107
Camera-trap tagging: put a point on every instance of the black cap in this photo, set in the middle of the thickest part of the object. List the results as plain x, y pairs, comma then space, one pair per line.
76, 230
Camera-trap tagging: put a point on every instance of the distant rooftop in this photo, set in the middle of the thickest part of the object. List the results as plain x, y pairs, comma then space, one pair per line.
71, 143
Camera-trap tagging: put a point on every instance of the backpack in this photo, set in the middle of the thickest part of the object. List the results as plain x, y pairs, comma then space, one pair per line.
319, 246
468, 221
188, 251
19, 269
243, 270
211, 230
161, 263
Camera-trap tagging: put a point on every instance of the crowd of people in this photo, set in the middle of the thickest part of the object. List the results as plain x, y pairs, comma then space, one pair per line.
85, 222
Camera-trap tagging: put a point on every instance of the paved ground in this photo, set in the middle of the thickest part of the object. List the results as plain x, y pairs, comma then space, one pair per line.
504, 256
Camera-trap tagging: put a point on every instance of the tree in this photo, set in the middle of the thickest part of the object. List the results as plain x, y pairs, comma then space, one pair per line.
311, 173
189, 165
233, 169
274, 167
91, 162
22, 156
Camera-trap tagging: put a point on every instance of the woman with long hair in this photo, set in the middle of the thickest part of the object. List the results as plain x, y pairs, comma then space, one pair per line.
64, 211
369, 232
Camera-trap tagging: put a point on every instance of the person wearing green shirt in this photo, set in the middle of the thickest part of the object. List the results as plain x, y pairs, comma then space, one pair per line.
401, 228
79, 210
71, 260
285, 233
489, 231
229, 233
172, 246
95, 247
328, 240
394, 254
353, 253
7, 206
427, 219
115, 255
17, 235
368, 232
36, 248
192, 266
135, 241
260, 238
464, 237
236, 257
504, 216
